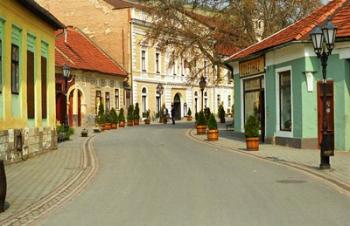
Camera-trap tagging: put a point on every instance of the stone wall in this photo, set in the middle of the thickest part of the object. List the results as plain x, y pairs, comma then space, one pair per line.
18, 144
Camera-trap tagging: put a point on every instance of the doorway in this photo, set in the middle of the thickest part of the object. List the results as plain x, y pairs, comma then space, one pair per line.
177, 107
329, 111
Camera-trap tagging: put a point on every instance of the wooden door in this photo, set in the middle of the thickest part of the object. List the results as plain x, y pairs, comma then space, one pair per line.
79, 108
329, 110
70, 110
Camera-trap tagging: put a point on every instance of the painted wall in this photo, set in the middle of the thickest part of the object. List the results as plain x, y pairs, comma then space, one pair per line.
17, 24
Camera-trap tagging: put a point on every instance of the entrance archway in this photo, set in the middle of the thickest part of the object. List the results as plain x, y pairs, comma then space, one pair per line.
74, 108
177, 106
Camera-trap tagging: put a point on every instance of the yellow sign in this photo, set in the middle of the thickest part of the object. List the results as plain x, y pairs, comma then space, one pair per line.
252, 67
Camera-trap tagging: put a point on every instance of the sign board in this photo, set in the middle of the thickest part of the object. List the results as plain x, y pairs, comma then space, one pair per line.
252, 67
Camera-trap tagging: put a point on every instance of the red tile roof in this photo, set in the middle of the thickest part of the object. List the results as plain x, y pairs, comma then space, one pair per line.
337, 10
79, 52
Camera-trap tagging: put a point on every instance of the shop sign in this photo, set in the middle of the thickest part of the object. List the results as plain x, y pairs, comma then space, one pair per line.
252, 67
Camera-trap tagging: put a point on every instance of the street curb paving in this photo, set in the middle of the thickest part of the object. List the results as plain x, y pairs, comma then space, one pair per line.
63, 193
340, 185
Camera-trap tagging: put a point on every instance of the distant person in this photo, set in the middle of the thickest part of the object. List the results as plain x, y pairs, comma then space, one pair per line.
173, 114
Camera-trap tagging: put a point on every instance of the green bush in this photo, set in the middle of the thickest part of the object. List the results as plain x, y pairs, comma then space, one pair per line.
221, 113
252, 127
189, 112
64, 133
212, 122
130, 112
201, 119
137, 112
100, 119
121, 115
108, 118
207, 113
114, 116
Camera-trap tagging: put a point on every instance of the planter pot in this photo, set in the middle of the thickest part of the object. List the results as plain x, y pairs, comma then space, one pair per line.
3, 186
114, 125
213, 134
165, 120
252, 143
107, 126
189, 118
147, 121
84, 133
201, 129
130, 122
121, 124
136, 122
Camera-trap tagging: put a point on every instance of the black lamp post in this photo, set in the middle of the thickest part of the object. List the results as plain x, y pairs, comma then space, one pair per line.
66, 75
323, 42
160, 90
202, 85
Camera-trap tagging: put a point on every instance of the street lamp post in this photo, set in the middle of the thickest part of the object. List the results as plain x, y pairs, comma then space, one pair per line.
323, 40
202, 85
66, 74
160, 90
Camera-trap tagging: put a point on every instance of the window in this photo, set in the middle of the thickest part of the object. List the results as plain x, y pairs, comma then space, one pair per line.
14, 69
158, 101
174, 67
43, 87
98, 100
196, 101
285, 101
157, 62
205, 99
108, 105
218, 99
116, 99
229, 101
252, 97
0, 65
143, 60
144, 100
30, 85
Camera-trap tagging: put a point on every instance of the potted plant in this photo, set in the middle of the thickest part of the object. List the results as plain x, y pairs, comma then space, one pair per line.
201, 124
108, 121
148, 118
207, 113
221, 113
164, 115
100, 120
212, 133
130, 117
121, 118
252, 133
189, 115
136, 114
114, 117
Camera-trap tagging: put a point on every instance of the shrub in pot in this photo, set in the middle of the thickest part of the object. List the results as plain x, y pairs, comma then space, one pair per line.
252, 133
136, 114
148, 117
207, 113
201, 124
189, 115
114, 117
221, 113
100, 119
212, 133
121, 118
108, 121
130, 117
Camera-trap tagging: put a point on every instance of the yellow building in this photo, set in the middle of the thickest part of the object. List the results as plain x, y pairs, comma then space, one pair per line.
27, 78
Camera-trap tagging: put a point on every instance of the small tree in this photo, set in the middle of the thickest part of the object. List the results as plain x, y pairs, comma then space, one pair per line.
221, 113
252, 127
121, 115
137, 112
212, 122
100, 119
207, 113
114, 116
131, 112
189, 112
108, 118
201, 121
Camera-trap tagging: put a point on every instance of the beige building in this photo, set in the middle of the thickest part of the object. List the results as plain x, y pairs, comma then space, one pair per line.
119, 28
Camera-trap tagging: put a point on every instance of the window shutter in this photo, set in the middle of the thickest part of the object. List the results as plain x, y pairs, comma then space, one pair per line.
30, 85
44, 87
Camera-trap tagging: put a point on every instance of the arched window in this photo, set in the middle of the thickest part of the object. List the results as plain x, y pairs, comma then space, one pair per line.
144, 99
196, 101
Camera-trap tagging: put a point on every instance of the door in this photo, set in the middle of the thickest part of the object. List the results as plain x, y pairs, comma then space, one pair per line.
329, 111
177, 106
262, 115
79, 108
70, 110
60, 107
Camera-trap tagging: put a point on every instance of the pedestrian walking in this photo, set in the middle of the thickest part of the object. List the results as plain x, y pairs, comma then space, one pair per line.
173, 114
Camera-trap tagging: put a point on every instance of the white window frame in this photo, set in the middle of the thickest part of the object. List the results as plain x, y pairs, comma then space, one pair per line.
144, 95
159, 63
144, 70
278, 120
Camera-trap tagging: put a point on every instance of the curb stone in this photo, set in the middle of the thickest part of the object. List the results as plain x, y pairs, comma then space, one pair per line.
339, 185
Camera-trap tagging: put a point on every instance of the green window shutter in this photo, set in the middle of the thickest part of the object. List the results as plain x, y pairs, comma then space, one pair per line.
31, 42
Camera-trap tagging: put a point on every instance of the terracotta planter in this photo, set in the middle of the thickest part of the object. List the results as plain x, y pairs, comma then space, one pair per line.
130, 122
147, 121
189, 118
107, 126
136, 122
114, 125
3, 186
201, 129
213, 134
252, 143
121, 124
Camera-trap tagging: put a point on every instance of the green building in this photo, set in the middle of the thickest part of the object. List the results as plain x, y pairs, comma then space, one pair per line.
279, 80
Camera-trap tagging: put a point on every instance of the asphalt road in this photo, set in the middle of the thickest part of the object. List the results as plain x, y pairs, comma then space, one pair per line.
156, 176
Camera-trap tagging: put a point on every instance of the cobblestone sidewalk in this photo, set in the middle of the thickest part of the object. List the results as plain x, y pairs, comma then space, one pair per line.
304, 159
41, 179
